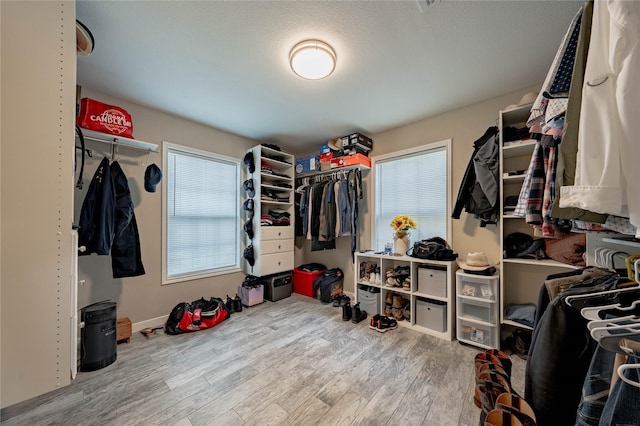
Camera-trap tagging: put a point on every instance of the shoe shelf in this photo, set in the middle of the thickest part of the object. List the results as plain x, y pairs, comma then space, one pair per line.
419, 293
273, 241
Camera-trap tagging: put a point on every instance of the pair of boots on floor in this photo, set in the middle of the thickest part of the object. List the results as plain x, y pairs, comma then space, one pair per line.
353, 313
500, 404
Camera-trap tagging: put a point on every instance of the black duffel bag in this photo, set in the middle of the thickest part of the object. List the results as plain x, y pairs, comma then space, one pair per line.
433, 249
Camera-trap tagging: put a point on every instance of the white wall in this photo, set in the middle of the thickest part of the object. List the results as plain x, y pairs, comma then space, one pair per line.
38, 95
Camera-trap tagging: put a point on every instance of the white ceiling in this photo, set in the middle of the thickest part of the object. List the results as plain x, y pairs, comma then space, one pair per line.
225, 63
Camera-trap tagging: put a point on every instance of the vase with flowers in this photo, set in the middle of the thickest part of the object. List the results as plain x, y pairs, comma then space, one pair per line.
401, 238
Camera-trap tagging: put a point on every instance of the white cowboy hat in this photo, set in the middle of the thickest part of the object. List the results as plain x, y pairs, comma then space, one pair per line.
527, 98
476, 261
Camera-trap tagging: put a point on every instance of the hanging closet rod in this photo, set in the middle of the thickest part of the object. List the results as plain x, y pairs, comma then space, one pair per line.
119, 140
337, 170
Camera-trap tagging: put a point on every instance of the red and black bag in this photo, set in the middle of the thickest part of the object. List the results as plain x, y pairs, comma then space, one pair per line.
197, 315
104, 118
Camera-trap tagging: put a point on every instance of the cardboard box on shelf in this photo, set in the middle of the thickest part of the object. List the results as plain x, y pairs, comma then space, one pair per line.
326, 157
359, 140
310, 163
326, 165
351, 160
355, 149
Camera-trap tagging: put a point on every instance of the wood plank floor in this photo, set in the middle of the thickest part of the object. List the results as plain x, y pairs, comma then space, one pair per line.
292, 362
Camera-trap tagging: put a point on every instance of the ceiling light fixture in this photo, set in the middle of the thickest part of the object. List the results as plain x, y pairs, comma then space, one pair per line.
312, 59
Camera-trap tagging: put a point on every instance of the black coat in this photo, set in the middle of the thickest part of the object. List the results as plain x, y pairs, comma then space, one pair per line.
96, 225
126, 258
470, 195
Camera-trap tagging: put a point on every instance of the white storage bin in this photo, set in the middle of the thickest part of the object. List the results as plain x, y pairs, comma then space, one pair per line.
431, 314
369, 302
432, 280
476, 333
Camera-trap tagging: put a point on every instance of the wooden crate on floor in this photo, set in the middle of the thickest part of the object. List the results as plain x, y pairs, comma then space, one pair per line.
123, 330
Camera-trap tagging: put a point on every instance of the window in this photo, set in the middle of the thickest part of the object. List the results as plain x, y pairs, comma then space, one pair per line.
200, 214
413, 182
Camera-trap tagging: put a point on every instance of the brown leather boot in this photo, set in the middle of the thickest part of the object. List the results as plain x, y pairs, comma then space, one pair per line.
498, 417
491, 372
488, 392
518, 407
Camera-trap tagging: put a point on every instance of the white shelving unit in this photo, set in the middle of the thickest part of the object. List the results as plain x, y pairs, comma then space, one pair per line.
520, 279
432, 299
273, 245
478, 321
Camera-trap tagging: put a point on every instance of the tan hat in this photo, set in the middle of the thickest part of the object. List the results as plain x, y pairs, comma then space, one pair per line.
335, 144
476, 261
528, 98
84, 39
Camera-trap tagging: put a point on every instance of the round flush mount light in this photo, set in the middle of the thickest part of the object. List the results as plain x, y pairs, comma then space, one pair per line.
312, 59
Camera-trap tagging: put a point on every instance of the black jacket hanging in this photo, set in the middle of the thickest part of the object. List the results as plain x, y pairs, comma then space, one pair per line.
471, 195
98, 211
126, 258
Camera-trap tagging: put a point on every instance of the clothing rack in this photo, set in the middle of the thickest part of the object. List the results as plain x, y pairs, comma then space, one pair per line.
116, 141
344, 169
336, 174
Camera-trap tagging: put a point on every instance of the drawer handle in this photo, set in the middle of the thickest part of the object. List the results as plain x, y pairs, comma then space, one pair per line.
279, 263
279, 247
279, 233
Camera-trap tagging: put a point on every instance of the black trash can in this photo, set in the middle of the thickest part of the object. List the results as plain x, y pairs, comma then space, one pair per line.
98, 336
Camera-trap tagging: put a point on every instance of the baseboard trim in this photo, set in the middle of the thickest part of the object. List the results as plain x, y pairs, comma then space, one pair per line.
150, 323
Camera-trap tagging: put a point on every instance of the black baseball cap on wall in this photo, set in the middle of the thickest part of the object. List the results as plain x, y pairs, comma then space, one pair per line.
152, 177
248, 161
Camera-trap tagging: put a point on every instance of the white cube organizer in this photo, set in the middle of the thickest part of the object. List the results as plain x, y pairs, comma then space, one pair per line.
431, 314
432, 280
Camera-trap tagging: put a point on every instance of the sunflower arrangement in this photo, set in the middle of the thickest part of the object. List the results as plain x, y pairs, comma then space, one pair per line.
403, 223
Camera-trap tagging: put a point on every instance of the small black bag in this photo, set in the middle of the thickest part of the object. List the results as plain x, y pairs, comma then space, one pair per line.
433, 249
171, 326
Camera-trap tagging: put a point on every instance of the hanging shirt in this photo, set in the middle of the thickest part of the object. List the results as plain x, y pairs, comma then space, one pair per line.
607, 175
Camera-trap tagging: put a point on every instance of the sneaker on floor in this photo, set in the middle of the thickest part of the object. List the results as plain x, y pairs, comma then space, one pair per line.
384, 324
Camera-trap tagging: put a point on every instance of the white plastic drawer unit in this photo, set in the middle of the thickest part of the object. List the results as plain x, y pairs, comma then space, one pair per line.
478, 310
276, 233
482, 287
432, 280
475, 333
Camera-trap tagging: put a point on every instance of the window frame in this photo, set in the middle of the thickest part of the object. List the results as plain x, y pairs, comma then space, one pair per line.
168, 146
443, 144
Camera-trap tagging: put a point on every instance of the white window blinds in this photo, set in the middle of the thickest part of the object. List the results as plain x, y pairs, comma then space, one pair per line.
414, 184
202, 217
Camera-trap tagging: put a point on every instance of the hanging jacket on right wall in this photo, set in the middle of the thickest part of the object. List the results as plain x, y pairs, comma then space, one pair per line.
478, 193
